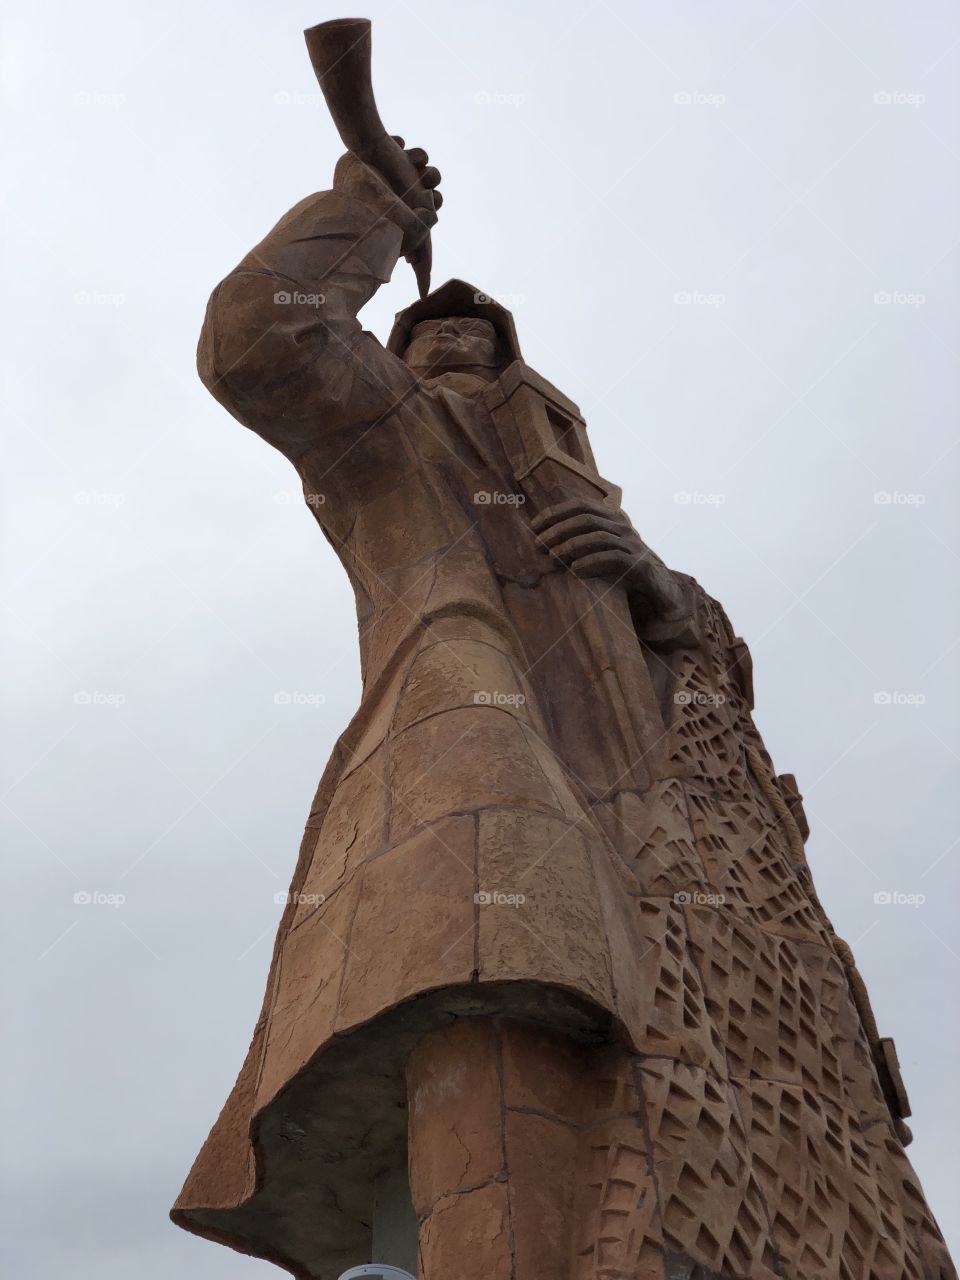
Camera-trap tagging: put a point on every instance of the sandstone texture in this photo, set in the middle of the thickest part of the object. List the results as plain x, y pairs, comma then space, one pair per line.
552, 931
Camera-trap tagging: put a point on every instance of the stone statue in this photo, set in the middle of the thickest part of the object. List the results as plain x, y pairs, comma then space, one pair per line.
553, 997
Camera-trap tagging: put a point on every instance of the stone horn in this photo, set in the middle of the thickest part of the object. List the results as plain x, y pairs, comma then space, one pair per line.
340, 54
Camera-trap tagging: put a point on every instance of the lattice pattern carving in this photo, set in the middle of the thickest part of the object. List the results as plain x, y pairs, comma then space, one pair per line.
618, 1221
770, 1010
833, 1202
711, 1204
749, 862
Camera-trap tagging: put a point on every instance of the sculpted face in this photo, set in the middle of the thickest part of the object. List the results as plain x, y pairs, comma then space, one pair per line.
456, 351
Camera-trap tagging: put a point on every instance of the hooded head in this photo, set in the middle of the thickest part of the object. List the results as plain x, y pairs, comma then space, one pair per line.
456, 336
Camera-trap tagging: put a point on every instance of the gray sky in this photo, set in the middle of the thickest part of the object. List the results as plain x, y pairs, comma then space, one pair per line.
790, 166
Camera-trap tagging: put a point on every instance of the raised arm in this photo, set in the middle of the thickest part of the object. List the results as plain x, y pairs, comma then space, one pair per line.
281, 346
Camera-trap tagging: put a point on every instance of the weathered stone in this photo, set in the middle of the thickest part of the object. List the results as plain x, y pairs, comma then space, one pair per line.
542, 1158
304, 1007
540, 913
546, 1071
468, 1236
552, 935
454, 1102
414, 926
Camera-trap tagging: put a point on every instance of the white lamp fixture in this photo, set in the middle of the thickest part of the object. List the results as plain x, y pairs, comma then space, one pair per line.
377, 1269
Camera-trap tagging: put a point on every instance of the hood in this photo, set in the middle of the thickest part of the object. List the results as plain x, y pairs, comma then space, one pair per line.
455, 298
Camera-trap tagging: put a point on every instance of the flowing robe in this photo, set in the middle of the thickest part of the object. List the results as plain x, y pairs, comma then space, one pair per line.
545, 806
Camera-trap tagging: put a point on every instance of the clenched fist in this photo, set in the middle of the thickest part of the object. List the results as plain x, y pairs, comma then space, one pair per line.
371, 179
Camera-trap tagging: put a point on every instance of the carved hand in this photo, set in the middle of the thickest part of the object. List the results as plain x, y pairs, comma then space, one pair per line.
595, 542
361, 179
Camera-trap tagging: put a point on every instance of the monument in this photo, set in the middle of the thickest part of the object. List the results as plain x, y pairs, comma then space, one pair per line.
553, 996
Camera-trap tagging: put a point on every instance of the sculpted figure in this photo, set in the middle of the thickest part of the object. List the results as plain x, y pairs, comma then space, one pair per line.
553, 997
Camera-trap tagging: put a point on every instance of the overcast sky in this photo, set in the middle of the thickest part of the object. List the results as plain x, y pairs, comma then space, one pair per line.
729, 232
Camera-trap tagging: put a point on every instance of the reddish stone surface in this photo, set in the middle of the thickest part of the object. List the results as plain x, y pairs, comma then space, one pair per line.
552, 907
454, 1100
468, 1236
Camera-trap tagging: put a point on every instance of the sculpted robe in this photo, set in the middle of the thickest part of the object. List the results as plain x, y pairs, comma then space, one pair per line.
545, 806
